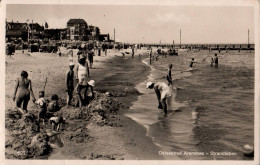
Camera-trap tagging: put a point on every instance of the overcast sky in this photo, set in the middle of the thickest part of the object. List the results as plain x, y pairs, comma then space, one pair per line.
149, 24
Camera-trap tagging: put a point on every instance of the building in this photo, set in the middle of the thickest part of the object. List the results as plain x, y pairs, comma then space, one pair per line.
77, 29
104, 37
94, 33
36, 31
16, 30
55, 34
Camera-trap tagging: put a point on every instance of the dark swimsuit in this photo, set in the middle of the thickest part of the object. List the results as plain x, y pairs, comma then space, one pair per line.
191, 64
169, 77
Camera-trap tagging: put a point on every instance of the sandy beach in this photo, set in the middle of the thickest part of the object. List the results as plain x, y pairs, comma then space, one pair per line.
113, 74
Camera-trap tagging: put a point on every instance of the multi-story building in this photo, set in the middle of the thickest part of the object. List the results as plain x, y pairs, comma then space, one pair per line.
94, 33
55, 34
104, 37
16, 30
77, 29
36, 31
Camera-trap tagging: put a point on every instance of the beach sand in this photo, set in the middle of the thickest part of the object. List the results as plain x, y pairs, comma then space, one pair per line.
113, 74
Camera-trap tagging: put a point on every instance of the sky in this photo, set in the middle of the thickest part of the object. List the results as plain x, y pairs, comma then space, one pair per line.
148, 24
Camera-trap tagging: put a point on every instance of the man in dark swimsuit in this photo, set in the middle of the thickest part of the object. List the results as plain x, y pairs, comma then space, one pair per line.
169, 75
216, 60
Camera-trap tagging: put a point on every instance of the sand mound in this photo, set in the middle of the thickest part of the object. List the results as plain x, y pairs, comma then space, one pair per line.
102, 104
23, 137
79, 135
74, 113
100, 111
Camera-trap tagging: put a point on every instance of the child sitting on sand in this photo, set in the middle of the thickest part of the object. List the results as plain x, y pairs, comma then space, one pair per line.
53, 105
56, 123
43, 106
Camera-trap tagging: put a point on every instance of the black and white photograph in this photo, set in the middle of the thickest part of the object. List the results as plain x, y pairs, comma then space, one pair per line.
129, 80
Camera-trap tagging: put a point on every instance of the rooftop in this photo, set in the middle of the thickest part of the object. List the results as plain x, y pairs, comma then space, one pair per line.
77, 21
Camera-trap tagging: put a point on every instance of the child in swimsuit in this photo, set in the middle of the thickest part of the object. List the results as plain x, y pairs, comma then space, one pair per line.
53, 105
23, 88
212, 62
56, 123
43, 106
191, 63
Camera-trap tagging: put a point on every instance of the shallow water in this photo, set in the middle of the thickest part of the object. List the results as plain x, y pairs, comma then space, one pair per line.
217, 117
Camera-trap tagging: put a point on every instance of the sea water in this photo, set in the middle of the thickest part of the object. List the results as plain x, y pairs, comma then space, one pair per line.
224, 121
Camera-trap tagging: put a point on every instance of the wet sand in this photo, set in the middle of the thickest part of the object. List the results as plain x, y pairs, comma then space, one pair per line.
113, 74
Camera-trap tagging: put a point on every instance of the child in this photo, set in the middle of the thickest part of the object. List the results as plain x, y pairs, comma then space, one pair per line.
24, 88
43, 106
56, 123
212, 62
53, 105
191, 63
169, 75
69, 83
59, 53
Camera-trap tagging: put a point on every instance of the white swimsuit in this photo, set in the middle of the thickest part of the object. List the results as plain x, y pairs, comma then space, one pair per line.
82, 74
165, 90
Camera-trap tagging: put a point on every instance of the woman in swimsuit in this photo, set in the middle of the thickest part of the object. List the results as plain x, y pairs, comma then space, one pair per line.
23, 88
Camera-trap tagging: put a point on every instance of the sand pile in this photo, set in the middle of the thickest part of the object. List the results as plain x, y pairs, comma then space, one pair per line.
79, 135
23, 137
104, 103
101, 110
74, 113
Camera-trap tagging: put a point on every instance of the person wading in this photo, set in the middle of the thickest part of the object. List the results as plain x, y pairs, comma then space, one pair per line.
163, 93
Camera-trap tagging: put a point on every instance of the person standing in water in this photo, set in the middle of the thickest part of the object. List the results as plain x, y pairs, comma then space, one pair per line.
133, 51
163, 93
212, 62
169, 75
216, 60
24, 89
150, 54
191, 63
